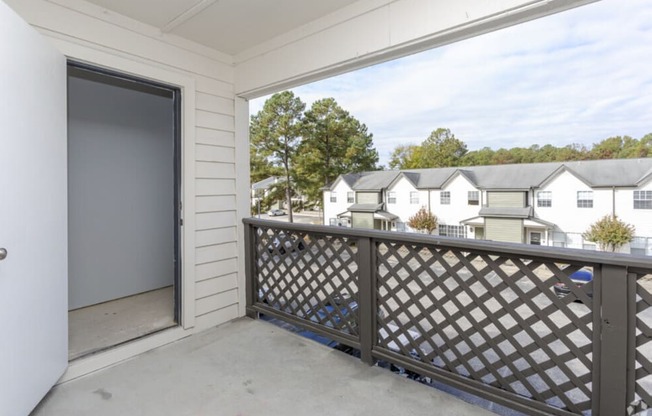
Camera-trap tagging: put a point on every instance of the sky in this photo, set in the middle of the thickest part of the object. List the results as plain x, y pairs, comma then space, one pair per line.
579, 76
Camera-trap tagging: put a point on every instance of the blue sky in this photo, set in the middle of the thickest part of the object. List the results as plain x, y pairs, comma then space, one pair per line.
575, 77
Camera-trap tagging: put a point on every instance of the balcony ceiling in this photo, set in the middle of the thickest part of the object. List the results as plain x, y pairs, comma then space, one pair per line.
230, 26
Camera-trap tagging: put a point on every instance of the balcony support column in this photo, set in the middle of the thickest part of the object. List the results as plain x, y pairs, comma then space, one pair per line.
612, 357
250, 274
367, 299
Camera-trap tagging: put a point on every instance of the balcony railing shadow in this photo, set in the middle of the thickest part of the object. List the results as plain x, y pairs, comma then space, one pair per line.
480, 316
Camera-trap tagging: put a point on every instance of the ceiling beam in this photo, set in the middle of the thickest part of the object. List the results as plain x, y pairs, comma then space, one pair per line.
187, 15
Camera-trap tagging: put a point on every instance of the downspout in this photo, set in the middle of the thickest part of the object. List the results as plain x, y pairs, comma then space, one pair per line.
613, 201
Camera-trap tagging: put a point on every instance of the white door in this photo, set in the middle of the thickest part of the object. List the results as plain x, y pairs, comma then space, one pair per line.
33, 216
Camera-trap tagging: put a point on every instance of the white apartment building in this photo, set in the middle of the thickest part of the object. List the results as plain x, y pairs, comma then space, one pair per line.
540, 203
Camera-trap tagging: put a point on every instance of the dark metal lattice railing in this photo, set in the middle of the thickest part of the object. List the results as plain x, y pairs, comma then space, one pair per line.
481, 316
492, 319
311, 277
643, 355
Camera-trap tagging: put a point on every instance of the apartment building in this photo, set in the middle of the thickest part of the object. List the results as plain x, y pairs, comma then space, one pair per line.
540, 203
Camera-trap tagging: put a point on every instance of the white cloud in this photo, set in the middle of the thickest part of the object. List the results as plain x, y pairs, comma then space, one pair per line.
575, 77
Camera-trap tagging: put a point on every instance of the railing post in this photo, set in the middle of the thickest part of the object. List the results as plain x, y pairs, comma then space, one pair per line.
613, 355
250, 278
366, 299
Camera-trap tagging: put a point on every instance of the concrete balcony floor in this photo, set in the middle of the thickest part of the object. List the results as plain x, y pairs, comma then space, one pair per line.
248, 367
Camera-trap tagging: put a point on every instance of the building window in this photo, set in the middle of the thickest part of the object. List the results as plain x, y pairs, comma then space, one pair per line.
457, 231
642, 199
558, 239
584, 199
350, 197
639, 246
391, 197
544, 199
333, 196
414, 197
445, 198
474, 198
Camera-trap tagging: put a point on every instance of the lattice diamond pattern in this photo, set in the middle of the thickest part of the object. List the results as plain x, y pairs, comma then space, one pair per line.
643, 372
494, 319
313, 277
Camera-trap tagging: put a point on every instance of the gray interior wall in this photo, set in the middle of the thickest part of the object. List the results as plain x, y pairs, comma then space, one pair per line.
120, 192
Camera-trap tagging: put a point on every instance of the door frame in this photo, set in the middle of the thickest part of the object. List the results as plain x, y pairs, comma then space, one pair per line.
176, 132
132, 66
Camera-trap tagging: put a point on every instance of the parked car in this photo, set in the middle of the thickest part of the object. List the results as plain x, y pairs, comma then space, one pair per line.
275, 212
284, 243
579, 278
347, 305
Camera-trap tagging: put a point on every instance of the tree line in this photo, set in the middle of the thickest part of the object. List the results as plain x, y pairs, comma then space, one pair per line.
443, 149
307, 148
310, 148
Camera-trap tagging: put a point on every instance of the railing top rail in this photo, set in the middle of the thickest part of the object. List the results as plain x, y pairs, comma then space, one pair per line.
570, 255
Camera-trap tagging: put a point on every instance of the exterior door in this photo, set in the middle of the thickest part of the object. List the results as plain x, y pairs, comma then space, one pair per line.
33, 216
535, 238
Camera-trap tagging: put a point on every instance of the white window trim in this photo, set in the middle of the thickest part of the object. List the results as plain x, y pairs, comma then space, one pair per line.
445, 198
548, 199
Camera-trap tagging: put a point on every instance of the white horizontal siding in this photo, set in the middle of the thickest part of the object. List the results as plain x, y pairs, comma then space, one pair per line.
215, 137
216, 268
459, 208
332, 209
564, 211
224, 314
217, 301
212, 220
82, 29
215, 104
214, 203
210, 287
210, 153
214, 170
214, 236
402, 206
216, 252
214, 121
641, 219
206, 187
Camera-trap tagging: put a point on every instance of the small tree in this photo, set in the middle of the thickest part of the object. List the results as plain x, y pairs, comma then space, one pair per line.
423, 220
609, 233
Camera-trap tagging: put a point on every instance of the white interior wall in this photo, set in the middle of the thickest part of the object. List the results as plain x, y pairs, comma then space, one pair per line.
120, 192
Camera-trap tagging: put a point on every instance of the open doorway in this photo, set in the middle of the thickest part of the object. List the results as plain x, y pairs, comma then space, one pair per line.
123, 208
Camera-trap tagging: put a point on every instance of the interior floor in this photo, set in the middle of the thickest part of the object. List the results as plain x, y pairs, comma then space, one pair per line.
107, 324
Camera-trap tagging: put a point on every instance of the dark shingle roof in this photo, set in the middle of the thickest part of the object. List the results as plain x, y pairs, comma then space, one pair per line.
596, 173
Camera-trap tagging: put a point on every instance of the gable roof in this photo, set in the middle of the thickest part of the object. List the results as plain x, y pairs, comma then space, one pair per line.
375, 181
595, 173
265, 183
